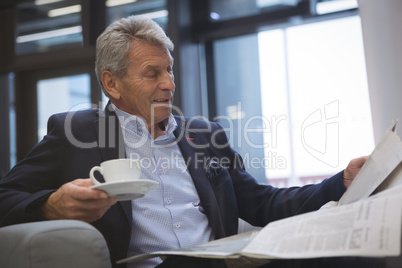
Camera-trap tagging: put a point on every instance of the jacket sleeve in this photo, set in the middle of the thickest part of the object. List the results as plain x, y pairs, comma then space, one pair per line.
260, 204
33, 179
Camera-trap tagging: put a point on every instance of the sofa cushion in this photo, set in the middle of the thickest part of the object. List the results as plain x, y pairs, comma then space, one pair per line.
49, 244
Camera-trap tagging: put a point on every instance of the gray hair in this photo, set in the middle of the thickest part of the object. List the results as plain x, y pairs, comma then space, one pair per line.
113, 45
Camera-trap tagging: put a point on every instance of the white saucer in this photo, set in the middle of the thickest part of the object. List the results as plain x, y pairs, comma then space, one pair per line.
127, 190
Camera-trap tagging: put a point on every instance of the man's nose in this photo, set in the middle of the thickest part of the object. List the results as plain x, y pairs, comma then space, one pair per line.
168, 82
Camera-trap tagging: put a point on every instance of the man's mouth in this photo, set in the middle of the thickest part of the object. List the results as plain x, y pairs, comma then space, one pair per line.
162, 100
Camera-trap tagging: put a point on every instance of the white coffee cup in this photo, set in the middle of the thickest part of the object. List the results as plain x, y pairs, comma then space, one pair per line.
117, 170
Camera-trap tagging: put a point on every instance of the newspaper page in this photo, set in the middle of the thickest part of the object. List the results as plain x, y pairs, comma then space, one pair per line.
222, 248
394, 179
371, 227
386, 156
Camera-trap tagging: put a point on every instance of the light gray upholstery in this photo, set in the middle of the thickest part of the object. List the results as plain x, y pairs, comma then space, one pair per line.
50, 244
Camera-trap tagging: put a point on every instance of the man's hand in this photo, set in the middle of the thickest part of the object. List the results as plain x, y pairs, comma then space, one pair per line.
75, 200
352, 169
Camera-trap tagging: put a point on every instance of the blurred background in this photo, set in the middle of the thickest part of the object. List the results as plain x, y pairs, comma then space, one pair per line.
300, 86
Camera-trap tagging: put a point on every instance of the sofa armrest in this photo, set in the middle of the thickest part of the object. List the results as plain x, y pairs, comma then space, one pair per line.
49, 244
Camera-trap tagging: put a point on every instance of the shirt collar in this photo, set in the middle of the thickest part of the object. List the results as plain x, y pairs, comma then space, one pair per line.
134, 123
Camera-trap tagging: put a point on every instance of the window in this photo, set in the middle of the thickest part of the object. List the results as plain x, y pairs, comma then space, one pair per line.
231, 9
7, 120
237, 98
60, 95
154, 9
308, 82
12, 122
45, 25
329, 6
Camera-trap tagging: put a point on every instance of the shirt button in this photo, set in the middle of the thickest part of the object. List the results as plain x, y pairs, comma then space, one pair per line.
168, 201
177, 225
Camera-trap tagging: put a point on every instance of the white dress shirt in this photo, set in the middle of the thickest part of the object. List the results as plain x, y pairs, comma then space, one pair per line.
170, 216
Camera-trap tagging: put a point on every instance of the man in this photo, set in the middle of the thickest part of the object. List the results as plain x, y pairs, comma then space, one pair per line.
201, 193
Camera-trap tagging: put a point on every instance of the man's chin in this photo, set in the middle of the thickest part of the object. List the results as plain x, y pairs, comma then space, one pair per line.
160, 117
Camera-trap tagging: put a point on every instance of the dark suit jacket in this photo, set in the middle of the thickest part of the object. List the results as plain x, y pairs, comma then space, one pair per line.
77, 141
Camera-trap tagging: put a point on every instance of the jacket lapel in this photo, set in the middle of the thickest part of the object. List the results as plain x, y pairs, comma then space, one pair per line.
111, 144
197, 160
110, 138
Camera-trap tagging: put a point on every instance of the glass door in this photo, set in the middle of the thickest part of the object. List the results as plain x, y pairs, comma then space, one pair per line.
61, 94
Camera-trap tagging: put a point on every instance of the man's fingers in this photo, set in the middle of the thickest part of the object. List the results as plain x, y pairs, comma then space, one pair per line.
359, 162
83, 182
76, 200
79, 190
85, 194
352, 169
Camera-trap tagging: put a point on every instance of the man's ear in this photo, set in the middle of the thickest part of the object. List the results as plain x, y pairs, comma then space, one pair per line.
110, 83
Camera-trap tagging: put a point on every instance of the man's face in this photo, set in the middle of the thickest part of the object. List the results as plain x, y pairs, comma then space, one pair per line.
148, 87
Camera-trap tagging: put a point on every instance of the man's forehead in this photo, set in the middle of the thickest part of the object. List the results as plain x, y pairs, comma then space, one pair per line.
139, 47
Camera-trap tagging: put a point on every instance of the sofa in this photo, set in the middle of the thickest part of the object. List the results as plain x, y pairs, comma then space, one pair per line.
49, 244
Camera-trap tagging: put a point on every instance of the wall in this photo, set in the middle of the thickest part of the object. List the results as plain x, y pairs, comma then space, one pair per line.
382, 37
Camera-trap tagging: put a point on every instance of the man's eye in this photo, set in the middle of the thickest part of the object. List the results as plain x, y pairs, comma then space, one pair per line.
152, 75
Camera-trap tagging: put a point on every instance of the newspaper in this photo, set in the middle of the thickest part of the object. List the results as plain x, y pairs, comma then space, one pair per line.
364, 228
360, 224
383, 160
